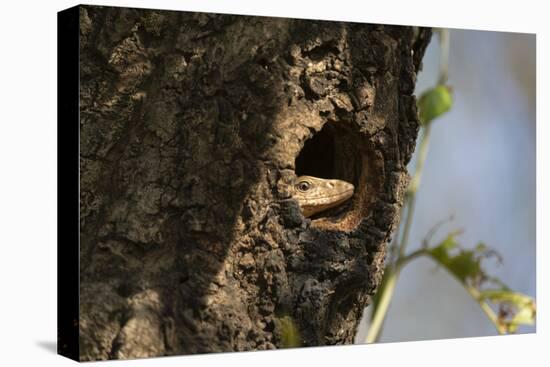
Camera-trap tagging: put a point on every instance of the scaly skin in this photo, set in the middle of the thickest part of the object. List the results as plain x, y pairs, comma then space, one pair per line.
318, 194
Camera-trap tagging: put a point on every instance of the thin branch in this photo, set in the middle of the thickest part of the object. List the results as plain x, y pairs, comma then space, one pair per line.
444, 44
394, 268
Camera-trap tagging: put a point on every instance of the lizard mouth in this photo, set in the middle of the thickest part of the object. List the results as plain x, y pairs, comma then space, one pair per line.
344, 195
321, 203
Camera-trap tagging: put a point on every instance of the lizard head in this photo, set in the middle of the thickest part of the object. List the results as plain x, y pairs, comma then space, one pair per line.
317, 194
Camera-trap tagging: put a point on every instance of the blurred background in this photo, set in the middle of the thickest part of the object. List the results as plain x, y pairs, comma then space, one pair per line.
480, 170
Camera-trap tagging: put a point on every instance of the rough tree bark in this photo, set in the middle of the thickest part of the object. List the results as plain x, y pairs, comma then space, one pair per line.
192, 127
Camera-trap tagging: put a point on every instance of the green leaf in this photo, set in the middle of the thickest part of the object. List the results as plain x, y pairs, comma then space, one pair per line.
463, 264
433, 103
525, 316
516, 309
440, 253
505, 295
289, 332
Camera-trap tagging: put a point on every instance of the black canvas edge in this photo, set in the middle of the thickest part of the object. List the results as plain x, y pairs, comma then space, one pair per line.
68, 182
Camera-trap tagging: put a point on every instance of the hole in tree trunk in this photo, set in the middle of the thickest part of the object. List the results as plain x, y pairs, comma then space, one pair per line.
337, 151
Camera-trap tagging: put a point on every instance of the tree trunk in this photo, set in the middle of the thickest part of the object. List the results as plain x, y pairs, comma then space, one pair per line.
192, 129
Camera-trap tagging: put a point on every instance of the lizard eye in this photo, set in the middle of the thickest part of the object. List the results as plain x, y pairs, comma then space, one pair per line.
303, 186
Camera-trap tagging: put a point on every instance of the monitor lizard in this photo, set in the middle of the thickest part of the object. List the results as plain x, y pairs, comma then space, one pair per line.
315, 195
